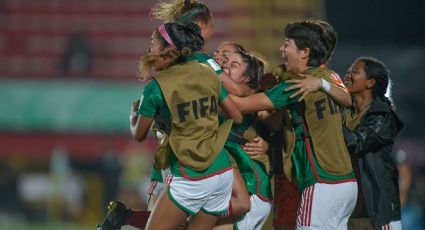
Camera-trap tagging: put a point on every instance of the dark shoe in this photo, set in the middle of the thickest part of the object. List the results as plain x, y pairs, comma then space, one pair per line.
117, 214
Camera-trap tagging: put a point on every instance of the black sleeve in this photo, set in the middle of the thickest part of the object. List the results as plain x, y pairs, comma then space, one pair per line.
374, 132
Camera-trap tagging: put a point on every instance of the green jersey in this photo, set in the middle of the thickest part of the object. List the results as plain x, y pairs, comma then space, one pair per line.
307, 169
162, 112
206, 59
153, 104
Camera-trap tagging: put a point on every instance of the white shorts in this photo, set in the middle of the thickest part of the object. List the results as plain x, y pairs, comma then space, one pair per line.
327, 206
211, 195
257, 215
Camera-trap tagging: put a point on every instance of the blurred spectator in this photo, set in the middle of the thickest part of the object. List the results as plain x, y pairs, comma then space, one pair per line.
111, 169
77, 57
10, 201
405, 176
411, 210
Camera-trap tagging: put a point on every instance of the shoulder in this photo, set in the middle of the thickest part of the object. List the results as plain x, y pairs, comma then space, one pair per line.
152, 85
201, 56
329, 75
206, 59
152, 88
381, 108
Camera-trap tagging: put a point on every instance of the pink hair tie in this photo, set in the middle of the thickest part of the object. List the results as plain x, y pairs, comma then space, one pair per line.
165, 35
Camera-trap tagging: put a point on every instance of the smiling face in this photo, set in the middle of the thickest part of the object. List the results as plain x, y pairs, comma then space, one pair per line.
356, 79
295, 59
223, 51
235, 68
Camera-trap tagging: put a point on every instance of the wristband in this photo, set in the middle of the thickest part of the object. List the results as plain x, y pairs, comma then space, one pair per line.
326, 86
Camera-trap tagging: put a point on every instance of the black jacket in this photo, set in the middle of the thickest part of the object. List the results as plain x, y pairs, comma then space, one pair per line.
372, 143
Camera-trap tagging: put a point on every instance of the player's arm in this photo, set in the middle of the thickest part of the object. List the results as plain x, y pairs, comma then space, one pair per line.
143, 111
233, 87
253, 103
228, 105
275, 98
310, 84
139, 125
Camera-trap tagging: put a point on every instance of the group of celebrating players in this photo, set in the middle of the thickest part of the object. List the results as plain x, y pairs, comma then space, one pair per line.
212, 116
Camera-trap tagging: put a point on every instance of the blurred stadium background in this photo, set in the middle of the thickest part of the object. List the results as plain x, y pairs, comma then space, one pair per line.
68, 75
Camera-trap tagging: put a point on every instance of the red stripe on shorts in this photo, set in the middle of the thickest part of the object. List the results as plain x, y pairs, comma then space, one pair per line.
168, 180
152, 187
310, 206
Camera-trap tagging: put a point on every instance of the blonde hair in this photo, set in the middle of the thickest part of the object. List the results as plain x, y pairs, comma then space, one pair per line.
181, 11
148, 61
146, 64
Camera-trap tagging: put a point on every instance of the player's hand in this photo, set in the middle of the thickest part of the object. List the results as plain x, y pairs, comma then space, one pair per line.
257, 148
135, 106
308, 84
133, 111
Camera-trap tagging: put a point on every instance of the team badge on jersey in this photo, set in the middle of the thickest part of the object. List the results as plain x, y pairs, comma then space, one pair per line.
214, 64
335, 77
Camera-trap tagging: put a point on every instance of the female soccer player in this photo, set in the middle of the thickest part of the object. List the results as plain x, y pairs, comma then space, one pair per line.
244, 68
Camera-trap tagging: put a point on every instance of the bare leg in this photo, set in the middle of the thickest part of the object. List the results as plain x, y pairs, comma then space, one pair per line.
152, 201
202, 221
240, 197
224, 226
166, 215
240, 203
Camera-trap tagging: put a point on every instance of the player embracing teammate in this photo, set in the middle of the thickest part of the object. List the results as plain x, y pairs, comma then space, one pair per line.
315, 143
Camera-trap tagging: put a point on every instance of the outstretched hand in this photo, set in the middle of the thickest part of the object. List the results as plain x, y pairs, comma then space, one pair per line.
308, 84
